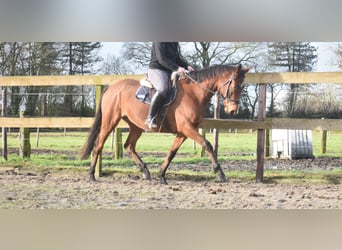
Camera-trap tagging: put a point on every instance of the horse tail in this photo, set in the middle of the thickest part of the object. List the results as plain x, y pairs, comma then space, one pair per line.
93, 134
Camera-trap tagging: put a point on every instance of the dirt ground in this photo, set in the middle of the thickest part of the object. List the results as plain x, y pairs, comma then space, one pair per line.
22, 189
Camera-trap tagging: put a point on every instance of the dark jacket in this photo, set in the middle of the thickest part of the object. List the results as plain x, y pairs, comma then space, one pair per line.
166, 56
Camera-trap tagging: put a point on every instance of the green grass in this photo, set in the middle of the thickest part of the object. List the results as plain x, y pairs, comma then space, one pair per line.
232, 144
334, 143
57, 150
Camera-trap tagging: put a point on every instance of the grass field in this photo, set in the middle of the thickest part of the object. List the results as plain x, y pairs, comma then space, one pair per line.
57, 149
231, 145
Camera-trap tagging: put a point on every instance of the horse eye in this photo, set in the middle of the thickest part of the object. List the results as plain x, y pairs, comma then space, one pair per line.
238, 87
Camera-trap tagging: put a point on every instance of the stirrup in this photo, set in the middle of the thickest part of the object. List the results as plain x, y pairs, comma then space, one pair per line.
150, 122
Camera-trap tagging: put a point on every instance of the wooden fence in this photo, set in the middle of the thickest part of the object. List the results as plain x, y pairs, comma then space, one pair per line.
261, 124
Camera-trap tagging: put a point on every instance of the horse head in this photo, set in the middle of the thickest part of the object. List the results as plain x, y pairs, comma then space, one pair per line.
232, 89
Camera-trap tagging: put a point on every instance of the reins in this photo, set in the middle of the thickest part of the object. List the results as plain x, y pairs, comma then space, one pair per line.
228, 82
198, 83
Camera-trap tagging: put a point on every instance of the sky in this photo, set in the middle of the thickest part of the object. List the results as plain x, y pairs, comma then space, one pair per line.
326, 58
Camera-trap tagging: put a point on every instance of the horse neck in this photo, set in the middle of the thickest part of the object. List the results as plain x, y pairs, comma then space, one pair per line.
203, 91
216, 83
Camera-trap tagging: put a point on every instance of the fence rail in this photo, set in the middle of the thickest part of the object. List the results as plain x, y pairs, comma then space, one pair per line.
86, 122
258, 78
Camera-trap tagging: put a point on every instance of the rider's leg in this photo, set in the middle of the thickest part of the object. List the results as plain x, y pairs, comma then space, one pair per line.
160, 81
156, 102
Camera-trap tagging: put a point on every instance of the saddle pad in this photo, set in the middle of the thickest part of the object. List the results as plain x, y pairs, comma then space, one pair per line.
144, 94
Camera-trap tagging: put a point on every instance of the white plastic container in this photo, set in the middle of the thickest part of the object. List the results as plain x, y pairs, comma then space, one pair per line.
292, 144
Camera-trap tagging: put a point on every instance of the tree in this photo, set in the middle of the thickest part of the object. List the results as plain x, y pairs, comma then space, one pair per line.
205, 54
78, 58
116, 65
331, 100
31, 58
11, 65
137, 53
37, 58
293, 57
338, 53
41, 59
199, 55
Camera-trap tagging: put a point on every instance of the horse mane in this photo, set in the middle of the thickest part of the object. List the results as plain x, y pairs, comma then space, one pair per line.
210, 72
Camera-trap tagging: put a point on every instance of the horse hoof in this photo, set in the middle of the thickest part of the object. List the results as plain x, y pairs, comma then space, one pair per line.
223, 180
163, 181
92, 178
146, 175
221, 177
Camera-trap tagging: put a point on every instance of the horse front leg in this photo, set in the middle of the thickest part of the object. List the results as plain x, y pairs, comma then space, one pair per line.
214, 163
197, 137
177, 142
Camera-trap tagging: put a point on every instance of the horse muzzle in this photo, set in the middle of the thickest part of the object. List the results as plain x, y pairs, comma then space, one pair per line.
232, 112
231, 108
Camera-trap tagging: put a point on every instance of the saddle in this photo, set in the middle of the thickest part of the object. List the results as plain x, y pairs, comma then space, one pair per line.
146, 91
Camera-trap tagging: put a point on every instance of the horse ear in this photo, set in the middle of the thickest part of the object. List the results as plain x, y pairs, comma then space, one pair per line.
238, 67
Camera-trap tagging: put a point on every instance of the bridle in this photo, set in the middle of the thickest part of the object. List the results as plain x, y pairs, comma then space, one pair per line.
225, 97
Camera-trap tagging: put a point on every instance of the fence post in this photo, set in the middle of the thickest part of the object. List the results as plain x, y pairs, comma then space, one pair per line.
268, 144
4, 129
38, 137
261, 134
216, 116
202, 152
98, 94
324, 141
25, 145
118, 149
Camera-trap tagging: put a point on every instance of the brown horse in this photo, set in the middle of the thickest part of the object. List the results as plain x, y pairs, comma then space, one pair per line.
182, 117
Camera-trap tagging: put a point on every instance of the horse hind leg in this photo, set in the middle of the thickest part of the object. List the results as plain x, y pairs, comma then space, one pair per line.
133, 136
97, 151
106, 129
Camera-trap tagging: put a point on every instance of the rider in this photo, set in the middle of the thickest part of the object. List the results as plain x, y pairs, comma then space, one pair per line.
165, 58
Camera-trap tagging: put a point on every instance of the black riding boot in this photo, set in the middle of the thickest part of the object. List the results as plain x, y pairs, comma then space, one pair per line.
156, 102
